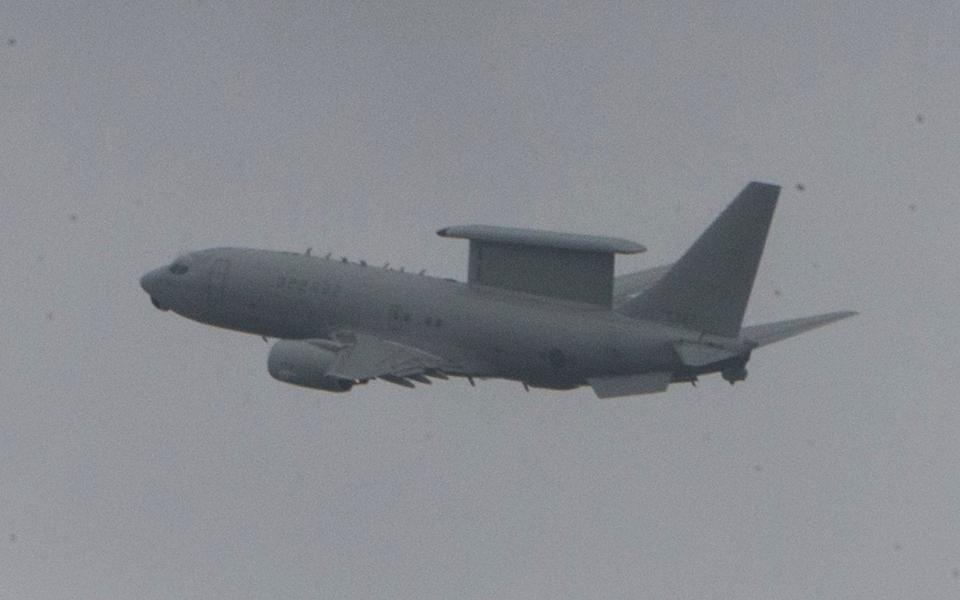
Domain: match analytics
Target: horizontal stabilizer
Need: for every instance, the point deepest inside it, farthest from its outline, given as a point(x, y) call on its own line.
point(628, 286)
point(630, 385)
point(768, 333)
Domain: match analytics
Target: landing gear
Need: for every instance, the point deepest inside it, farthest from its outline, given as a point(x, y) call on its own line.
point(685, 378)
point(734, 374)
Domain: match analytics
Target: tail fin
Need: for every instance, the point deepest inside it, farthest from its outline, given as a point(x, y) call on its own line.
point(707, 290)
point(768, 333)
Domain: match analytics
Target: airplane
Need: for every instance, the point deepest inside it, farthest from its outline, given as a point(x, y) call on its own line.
point(538, 307)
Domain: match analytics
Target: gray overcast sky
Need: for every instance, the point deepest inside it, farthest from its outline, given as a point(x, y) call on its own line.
point(145, 456)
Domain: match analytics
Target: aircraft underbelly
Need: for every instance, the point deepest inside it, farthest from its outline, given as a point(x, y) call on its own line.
point(537, 342)
point(535, 352)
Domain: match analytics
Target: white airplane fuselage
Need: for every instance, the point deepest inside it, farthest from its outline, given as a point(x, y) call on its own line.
point(542, 341)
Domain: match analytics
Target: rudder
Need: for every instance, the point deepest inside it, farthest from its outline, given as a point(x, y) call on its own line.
point(708, 288)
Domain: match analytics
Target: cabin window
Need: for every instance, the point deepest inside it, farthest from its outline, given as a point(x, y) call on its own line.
point(179, 268)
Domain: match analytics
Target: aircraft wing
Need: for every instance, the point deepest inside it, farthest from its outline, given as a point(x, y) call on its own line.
point(365, 357)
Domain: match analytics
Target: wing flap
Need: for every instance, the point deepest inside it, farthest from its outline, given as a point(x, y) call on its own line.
point(369, 357)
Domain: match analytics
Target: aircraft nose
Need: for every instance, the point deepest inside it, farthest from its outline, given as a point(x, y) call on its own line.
point(153, 283)
point(150, 282)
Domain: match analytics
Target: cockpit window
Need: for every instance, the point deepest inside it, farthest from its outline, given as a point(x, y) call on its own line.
point(179, 268)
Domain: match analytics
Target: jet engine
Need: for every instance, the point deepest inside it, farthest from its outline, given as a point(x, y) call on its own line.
point(304, 364)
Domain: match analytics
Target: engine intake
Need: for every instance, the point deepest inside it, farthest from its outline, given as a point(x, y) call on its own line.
point(306, 365)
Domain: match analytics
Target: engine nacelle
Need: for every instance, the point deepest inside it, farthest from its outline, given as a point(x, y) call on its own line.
point(305, 364)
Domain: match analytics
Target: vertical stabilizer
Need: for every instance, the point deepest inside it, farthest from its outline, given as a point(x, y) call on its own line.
point(708, 288)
